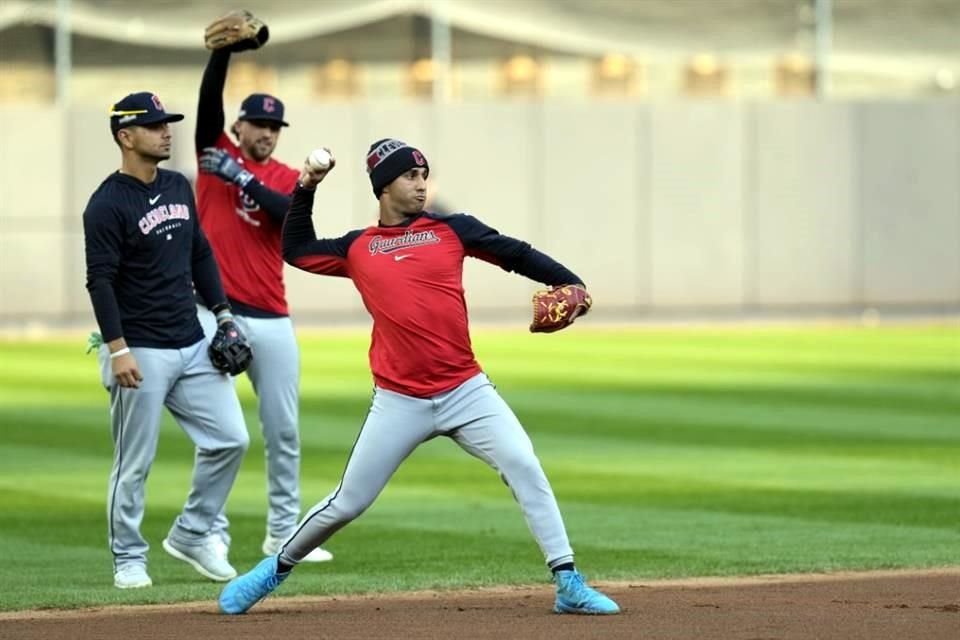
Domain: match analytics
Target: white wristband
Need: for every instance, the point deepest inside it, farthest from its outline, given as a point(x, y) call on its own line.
point(224, 314)
point(119, 352)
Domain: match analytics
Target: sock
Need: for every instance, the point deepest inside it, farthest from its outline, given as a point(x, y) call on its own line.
point(283, 567)
point(566, 566)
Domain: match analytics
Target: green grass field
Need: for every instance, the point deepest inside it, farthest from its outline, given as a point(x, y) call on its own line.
point(680, 452)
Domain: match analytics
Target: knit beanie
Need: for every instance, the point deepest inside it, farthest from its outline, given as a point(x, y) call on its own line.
point(388, 159)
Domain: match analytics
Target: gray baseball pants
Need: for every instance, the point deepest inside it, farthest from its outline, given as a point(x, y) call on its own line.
point(275, 376)
point(204, 404)
point(475, 417)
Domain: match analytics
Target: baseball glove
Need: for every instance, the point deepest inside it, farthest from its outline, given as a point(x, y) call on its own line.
point(238, 30)
point(229, 350)
point(557, 308)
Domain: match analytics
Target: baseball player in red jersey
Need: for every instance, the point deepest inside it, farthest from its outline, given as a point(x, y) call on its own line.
point(409, 272)
point(243, 194)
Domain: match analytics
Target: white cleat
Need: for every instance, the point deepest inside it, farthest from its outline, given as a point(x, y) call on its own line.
point(132, 576)
point(272, 546)
point(209, 558)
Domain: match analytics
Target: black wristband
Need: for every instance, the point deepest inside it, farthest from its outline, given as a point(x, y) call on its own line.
point(217, 308)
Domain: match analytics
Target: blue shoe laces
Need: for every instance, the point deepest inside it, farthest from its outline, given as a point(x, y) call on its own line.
point(577, 589)
point(574, 583)
point(256, 589)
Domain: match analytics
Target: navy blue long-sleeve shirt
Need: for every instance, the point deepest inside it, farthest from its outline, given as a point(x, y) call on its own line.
point(145, 251)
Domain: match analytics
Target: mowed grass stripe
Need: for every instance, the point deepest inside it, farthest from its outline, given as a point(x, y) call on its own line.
point(628, 410)
point(811, 432)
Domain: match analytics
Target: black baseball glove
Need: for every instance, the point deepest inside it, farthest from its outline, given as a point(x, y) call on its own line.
point(229, 350)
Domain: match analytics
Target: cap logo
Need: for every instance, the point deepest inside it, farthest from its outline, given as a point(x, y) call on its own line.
point(418, 158)
point(157, 103)
point(383, 151)
point(269, 105)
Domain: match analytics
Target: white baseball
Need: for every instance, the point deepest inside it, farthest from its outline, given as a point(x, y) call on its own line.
point(319, 159)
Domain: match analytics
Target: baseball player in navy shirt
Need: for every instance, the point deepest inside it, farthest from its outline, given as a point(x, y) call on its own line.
point(409, 272)
point(144, 253)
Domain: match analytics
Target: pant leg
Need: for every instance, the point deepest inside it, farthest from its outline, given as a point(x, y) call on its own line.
point(479, 420)
point(135, 423)
point(209, 323)
point(275, 375)
point(205, 404)
point(395, 425)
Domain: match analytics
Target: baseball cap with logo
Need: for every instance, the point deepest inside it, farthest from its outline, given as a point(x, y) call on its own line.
point(139, 109)
point(262, 106)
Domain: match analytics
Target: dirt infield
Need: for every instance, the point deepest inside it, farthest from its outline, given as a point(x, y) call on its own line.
point(850, 606)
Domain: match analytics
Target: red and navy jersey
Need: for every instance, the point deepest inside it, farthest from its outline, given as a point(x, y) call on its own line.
point(410, 278)
point(144, 253)
point(246, 240)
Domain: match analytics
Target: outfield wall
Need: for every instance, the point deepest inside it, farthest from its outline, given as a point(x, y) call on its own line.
point(659, 207)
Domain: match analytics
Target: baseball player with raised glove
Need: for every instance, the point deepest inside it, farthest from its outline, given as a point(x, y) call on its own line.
point(243, 193)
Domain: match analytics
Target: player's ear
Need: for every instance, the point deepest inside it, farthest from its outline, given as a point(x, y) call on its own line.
point(124, 139)
point(235, 129)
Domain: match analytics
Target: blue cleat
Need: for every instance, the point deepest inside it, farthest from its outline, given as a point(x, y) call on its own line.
point(576, 596)
point(247, 590)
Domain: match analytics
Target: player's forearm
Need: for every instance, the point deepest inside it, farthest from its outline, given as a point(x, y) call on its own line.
point(210, 117)
point(203, 266)
point(298, 225)
point(517, 256)
point(509, 253)
point(105, 308)
point(540, 267)
point(206, 279)
point(274, 203)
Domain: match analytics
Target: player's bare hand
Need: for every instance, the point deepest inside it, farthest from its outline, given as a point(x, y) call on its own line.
point(126, 371)
point(316, 167)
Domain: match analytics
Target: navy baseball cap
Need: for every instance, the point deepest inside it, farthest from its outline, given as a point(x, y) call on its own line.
point(262, 106)
point(138, 109)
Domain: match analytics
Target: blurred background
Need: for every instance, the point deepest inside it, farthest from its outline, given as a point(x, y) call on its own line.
point(688, 158)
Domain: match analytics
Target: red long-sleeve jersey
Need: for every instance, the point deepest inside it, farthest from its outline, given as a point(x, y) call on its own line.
point(410, 278)
point(245, 239)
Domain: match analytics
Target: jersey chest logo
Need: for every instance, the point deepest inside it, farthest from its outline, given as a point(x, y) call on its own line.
point(410, 239)
point(166, 216)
